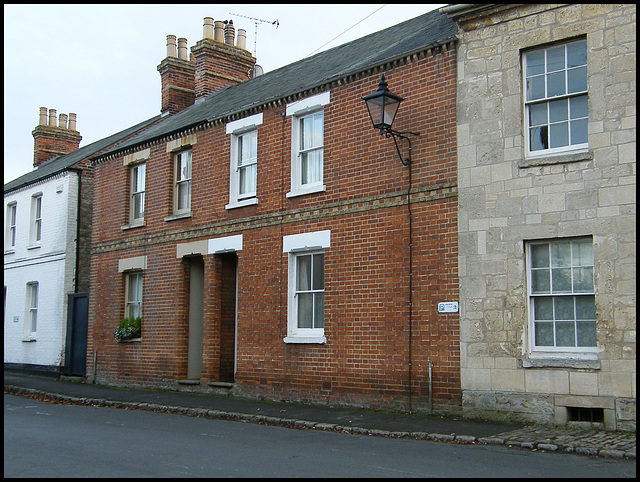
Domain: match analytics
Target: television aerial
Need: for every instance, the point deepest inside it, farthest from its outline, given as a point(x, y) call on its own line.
point(257, 21)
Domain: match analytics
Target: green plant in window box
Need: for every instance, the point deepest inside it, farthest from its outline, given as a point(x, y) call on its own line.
point(129, 328)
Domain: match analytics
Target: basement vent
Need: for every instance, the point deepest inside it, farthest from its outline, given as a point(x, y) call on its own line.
point(582, 414)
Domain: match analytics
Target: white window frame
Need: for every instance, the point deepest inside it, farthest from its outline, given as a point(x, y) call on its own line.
point(304, 244)
point(179, 181)
point(555, 351)
point(10, 235)
point(31, 314)
point(35, 232)
point(238, 129)
point(130, 267)
point(547, 100)
point(133, 304)
point(136, 192)
point(301, 110)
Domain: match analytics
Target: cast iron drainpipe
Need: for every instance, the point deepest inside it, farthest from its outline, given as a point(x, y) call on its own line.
point(409, 163)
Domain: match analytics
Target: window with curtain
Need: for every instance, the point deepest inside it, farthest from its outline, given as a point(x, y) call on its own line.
point(311, 148)
point(247, 164)
point(183, 182)
point(309, 292)
point(133, 308)
point(138, 179)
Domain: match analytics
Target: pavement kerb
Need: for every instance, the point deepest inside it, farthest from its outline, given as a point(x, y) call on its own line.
point(309, 425)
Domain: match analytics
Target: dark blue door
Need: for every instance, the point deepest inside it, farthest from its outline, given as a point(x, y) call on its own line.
point(77, 327)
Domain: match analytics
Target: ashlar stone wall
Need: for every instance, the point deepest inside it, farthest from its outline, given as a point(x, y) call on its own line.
point(506, 200)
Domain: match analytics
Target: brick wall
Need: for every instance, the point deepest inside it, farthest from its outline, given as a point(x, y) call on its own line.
point(370, 337)
point(83, 234)
point(178, 84)
point(218, 65)
point(50, 142)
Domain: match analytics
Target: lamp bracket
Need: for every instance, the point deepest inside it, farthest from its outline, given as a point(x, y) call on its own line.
point(388, 132)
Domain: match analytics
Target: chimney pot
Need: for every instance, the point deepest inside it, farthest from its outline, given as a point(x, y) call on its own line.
point(43, 116)
point(208, 28)
point(242, 39)
point(220, 63)
point(171, 46)
point(229, 33)
point(52, 118)
point(49, 143)
point(182, 49)
point(219, 31)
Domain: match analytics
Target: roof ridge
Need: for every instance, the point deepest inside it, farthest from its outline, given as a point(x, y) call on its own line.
point(303, 76)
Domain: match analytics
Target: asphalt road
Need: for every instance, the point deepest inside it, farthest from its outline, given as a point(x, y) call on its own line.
point(49, 440)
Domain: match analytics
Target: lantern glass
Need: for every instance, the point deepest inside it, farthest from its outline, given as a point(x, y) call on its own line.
point(382, 106)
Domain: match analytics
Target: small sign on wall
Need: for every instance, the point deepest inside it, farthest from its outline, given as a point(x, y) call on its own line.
point(448, 307)
point(16, 319)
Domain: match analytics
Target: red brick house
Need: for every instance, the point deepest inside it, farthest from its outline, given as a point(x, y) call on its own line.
point(272, 242)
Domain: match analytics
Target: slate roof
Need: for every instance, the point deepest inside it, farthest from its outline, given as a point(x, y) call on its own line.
point(411, 36)
point(61, 163)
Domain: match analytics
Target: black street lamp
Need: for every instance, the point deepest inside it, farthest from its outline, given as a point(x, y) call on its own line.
point(383, 107)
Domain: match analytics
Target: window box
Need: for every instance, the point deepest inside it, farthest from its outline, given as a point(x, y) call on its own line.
point(130, 329)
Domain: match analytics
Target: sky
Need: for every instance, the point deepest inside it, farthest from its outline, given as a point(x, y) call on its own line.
point(100, 61)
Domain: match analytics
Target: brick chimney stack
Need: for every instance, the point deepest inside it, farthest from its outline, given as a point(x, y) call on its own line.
point(215, 62)
point(54, 138)
point(177, 74)
point(220, 63)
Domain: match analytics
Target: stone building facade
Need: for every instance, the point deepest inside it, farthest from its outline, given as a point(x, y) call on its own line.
point(547, 211)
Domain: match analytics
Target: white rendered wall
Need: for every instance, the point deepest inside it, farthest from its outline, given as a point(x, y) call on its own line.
point(50, 263)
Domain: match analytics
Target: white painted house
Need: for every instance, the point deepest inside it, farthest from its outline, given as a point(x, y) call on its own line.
point(39, 267)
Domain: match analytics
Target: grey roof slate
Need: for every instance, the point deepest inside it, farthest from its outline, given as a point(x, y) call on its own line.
point(61, 163)
point(430, 29)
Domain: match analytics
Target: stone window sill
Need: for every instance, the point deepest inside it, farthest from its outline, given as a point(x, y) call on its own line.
point(242, 203)
point(582, 363)
point(140, 224)
point(175, 217)
point(303, 191)
point(318, 340)
point(556, 159)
